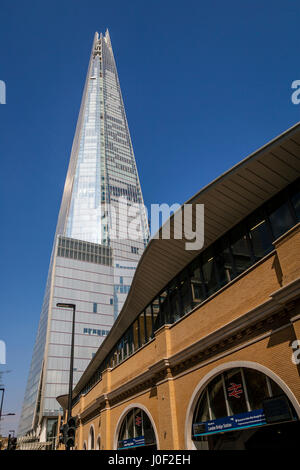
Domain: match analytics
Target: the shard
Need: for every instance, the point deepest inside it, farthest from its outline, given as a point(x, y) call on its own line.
point(94, 257)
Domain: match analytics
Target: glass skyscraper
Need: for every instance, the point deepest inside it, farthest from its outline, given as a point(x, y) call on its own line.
point(94, 254)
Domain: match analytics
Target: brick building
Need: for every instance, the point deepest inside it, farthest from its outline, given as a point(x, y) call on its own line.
point(204, 352)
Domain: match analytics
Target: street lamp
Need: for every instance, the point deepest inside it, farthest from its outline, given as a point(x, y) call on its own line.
point(73, 307)
point(1, 390)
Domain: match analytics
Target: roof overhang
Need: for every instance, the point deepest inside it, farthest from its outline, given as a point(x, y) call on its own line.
point(227, 200)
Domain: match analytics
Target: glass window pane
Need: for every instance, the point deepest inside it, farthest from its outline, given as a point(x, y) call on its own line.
point(235, 391)
point(142, 329)
point(174, 302)
point(148, 430)
point(240, 250)
point(296, 203)
point(148, 322)
point(185, 293)
point(136, 335)
point(164, 308)
point(209, 273)
point(224, 265)
point(130, 424)
point(198, 290)
point(257, 388)
point(280, 217)
point(156, 318)
point(138, 422)
point(217, 398)
point(260, 236)
point(202, 411)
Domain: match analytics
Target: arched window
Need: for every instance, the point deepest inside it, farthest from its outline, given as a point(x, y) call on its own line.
point(91, 441)
point(98, 444)
point(84, 445)
point(239, 399)
point(136, 430)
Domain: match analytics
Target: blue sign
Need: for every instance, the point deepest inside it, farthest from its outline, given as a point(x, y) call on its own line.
point(134, 442)
point(230, 423)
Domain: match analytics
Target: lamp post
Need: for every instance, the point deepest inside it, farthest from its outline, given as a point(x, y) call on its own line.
point(1, 390)
point(73, 307)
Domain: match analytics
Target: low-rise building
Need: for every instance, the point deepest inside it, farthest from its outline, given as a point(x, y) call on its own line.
point(205, 353)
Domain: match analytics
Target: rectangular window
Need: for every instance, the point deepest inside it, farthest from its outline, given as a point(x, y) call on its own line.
point(260, 236)
point(174, 301)
point(136, 334)
point(240, 248)
point(149, 325)
point(185, 293)
point(142, 329)
point(280, 217)
point(224, 263)
point(95, 308)
point(198, 288)
point(155, 310)
point(209, 273)
point(296, 203)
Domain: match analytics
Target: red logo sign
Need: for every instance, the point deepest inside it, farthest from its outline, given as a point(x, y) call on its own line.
point(138, 420)
point(235, 390)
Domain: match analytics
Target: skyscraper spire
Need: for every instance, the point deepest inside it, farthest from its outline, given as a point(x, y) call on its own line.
point(93, 258)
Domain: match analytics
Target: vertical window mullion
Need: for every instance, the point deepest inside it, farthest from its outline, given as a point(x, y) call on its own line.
point(139, 331)
point(145, 328)
point(250, 247)
point(269, 386)
point(225, 396)
point(245, 389)
point(292, 209)
point(269, 225)
point(203, 286)
point(170, 313)
point(152, 320)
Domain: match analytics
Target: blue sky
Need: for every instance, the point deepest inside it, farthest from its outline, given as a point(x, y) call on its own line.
point(204, 85)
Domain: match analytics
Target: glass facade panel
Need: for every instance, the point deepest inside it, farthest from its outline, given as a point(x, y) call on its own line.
point(202, 409)
point(197, 285)
point(185, 293)
point(235, 391)
point(136, 424)
point(240, 250)
point(156, 316)
point(280, 217)
point(209, 272)
point(136, 335)
point(148, 430)
point(174, 302)
point(257, 388)
point(260, 236)
point(149, 323)
point(216, 398)
point(142, 329)
point(296, 203)
point(224, 263)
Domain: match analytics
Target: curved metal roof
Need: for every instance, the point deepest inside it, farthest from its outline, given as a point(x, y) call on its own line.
point(227, 200)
